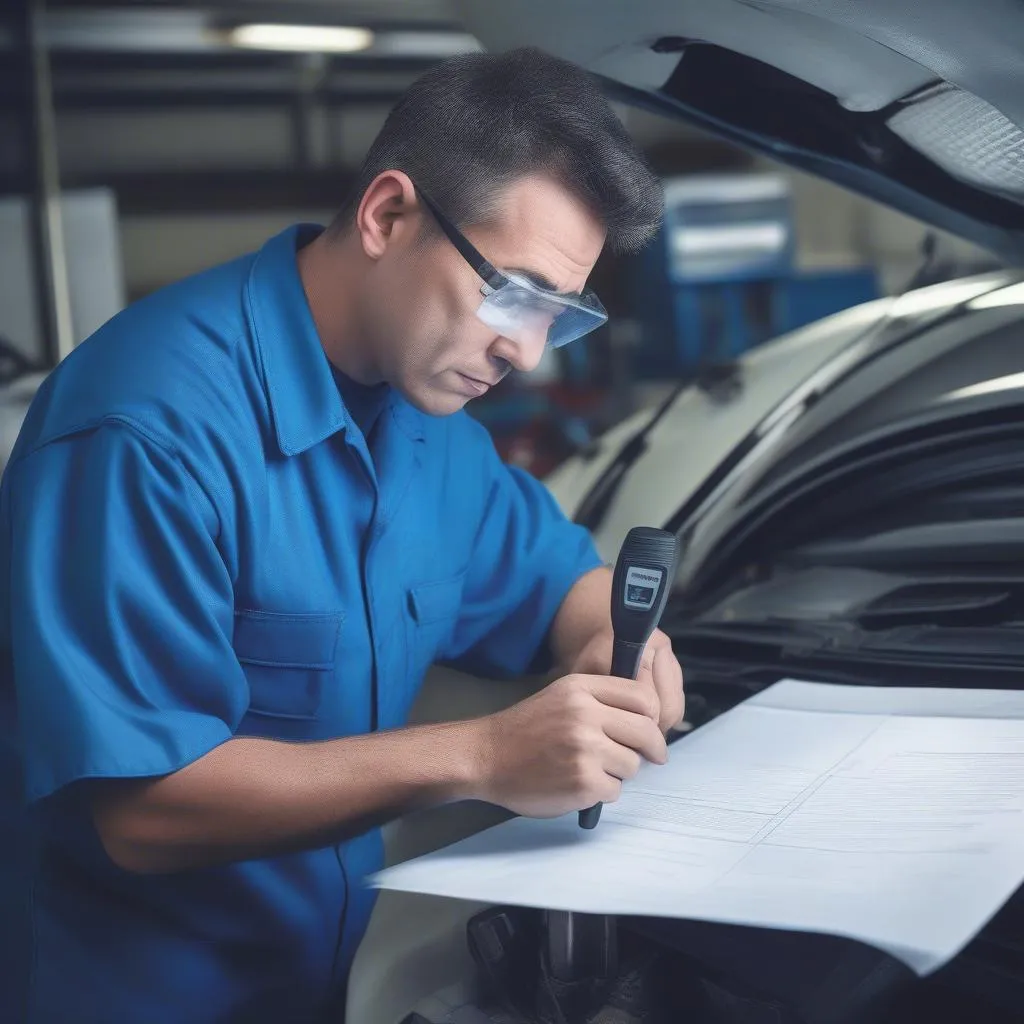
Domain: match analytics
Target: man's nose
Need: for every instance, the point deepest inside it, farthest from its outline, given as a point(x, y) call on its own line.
point(524, 352)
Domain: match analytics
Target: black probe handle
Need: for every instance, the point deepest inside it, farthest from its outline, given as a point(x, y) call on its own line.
point(626, 665)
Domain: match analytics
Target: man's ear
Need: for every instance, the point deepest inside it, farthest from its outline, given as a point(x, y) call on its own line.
point(387, 213)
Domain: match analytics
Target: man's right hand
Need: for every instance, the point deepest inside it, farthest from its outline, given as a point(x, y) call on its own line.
point(569, 746)
point(560, 750)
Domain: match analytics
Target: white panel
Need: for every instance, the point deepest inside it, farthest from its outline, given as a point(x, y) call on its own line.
point(93, 246)
point(95, 275)
point(19, 321)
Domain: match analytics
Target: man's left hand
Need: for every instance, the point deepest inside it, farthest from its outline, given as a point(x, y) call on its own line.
point(659, 668)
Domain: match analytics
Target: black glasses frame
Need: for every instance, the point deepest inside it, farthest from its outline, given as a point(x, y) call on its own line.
point(483, 268)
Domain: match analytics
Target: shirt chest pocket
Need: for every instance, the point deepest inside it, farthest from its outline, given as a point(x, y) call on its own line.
point(433, 610)
point(288, 659)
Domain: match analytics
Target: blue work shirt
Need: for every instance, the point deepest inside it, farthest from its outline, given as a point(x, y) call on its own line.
point(198, 543)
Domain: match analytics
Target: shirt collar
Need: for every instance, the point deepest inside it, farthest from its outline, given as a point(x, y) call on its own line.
point(304, 399)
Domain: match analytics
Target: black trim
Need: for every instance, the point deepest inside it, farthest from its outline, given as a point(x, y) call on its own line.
point(466, 249)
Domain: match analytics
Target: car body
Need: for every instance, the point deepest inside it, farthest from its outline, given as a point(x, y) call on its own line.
point(849, 507)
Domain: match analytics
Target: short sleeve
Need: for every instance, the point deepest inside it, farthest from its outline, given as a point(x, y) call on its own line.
point(526, 558)
point(121, 612)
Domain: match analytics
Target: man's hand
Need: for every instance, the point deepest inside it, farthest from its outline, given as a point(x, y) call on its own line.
point(582, 640)
point(659, 668)
point(569, 746)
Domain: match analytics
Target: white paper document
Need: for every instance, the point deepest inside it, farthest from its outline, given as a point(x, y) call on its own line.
point(891, 816)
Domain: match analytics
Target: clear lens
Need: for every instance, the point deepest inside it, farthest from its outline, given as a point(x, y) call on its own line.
point(523, 312)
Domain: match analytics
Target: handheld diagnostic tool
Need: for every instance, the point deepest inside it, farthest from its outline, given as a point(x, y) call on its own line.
point(643, 577)
point(582, 946)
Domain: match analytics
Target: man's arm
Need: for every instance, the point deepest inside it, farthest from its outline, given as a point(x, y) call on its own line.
point(584, 615)
point(129, 689)
point(567, 747)
point(250, 798)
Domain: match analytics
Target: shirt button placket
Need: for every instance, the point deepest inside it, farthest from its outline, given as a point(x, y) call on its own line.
point(378, 523)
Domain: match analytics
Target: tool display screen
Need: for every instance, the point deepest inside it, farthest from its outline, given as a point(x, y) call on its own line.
point(641, 587)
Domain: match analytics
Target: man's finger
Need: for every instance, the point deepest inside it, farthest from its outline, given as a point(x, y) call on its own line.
point(639, 696)
point(639, 733)
point(645, 678)
point(668, 681)
point(682, 693)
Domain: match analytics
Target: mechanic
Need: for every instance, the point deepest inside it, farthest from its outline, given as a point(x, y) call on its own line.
point(244, 518)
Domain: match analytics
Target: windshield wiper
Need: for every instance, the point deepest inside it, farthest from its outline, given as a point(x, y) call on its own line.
point(721, 381)
point(594, 506)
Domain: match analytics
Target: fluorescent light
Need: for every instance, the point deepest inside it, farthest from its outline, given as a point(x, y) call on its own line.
point(302, 38)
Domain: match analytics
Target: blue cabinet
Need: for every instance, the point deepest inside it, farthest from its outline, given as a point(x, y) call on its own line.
point(721, 277)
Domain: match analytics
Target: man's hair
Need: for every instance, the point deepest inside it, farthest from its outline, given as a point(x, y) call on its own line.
point(473, 125)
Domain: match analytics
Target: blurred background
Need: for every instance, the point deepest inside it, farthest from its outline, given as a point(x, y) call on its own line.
point(142, 142)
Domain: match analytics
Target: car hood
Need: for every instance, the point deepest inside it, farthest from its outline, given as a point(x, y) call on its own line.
point(915, 105)
point(764, 378)
point(701, 430)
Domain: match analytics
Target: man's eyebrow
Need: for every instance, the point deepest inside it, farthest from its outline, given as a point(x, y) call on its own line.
point(538, 279)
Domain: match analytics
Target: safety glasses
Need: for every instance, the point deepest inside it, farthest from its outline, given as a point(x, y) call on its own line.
point(517, 307)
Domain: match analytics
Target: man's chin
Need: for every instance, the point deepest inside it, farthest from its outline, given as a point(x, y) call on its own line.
point(435, 401)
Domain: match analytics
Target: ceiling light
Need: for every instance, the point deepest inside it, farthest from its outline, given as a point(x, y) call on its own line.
point(302, 38)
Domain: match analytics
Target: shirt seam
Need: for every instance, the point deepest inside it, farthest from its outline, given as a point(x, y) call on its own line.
point(147, 434)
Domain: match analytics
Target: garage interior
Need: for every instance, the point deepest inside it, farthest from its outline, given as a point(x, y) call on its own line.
point(143, 142)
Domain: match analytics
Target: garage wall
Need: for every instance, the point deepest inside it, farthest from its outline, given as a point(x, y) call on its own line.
point(836, 228)
point(158, 248)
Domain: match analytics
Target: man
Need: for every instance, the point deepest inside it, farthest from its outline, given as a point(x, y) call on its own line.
point(244, 518)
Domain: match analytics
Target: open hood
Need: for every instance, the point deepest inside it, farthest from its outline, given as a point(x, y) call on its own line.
point(915, 105)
